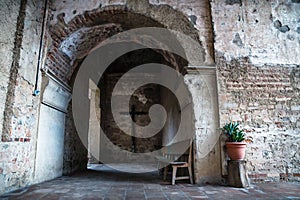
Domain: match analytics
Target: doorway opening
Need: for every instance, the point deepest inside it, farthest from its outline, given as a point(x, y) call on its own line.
point(130, 137)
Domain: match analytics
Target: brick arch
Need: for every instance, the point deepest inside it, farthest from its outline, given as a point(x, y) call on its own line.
point(93, 27)
point(71, 42)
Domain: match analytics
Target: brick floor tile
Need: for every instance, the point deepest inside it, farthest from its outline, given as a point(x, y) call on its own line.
point(113, 185)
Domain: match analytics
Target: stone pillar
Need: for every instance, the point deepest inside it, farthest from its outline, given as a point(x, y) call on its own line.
point(237, 174)
point(202, 84)
point(50, 141)
point(94, 124)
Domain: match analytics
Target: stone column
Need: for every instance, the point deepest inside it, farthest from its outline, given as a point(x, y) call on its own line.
point(94, 124)
point(51, 128)
point(201, 81)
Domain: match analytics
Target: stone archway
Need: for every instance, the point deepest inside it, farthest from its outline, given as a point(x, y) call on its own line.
point(68, 46)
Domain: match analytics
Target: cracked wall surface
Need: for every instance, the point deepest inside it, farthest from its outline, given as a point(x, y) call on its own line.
point(257, 56)
point(266, 32)
point(255, 46)
point(20, 46)
point(265, 100)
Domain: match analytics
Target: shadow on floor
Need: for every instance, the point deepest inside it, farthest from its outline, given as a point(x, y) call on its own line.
point(102, 182)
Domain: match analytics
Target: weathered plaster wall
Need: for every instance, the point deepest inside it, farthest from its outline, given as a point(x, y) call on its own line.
point(21, 28)
point(257, 54)
point(265, 100)
point(50, 140)
point(94, 124)
point(8, 20)
point(264, 31)
point(49, 159)
point(199, 14)
point(63, 22)
point(202, 85)
point(170, 103)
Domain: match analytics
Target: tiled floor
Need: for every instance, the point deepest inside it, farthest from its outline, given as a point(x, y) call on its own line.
point(110, 184)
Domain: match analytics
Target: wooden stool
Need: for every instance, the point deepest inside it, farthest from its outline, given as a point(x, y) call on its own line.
point(170, 154)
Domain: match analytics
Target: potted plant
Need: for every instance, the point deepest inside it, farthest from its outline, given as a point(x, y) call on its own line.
point(235, 144)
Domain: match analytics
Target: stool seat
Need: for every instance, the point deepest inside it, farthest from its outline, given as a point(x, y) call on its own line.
point(178, 163)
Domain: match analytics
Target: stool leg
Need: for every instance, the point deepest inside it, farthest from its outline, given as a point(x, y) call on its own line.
point(158, 168)
point(174, 174)
point(165, 172)
point(190, 174)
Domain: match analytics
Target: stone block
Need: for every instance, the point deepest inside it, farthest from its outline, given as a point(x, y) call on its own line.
point(237, 174)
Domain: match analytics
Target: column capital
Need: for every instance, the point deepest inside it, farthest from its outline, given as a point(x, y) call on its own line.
point(201, 70)
point(54, 93)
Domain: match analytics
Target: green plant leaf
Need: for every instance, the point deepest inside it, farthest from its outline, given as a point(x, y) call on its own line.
point(232, 130)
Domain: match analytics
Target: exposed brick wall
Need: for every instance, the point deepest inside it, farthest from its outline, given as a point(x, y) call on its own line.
point(75, 153)
point(21, 31)
point(61, 63)
point(64, 26)
point(142, 99)
point(132, 15)
point(265, 99)
point(257, 58)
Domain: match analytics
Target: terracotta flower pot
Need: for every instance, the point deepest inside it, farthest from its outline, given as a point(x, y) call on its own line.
point(236, 150)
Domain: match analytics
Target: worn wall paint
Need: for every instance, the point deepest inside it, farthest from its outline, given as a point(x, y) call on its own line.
point(262, 91)
point(265, 99)
point(9, 14)
point(21, 37)
point(50, 138)
point(207, 159)
point(266, 32)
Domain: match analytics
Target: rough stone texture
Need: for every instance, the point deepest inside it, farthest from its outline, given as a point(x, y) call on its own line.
point(142, 99)
point(64, 7)
point(265, 99)
point(256, 47)
point(8, 20)
point(21, 112)
point(76, 46)
point(237, 174)
point(75, 153)
point(207, 157)
point(201, 10)
point(13, 73)
point(137, 14)
point(253, 21)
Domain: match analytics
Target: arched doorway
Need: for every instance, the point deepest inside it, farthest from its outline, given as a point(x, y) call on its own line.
point(130, 137)
point(84, 36)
